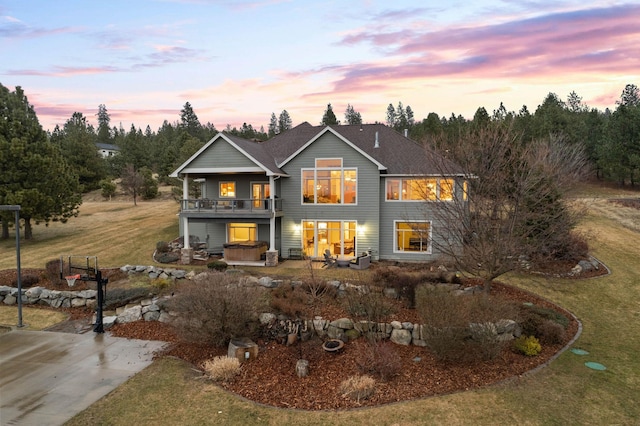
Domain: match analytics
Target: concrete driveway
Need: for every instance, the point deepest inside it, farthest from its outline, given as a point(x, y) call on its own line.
point(46, 378)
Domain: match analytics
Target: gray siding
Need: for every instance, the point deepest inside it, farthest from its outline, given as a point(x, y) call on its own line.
point(221, 154)
point(391, 211)
point(365, 212)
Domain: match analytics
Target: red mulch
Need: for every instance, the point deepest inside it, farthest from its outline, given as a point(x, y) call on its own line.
point(271, 379)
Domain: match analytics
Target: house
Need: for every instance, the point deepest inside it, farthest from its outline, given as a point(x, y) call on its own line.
point(107, 149)
point(349, 189)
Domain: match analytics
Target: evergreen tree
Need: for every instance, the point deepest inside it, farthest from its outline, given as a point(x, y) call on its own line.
point(630, 96)
point(329, 118)
point(274, 129)
point(391, 116)
point(351, 116)
point(189, 121)
point(284, 122)
point(76, 144)
point(34, 175)
point(104, 132)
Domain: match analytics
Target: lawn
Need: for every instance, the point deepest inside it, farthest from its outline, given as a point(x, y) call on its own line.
point(566, 392)
point(119, 233)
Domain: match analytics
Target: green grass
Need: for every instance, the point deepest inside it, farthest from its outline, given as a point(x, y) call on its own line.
point(564, 393)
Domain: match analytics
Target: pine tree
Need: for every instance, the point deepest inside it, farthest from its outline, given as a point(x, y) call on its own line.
point(329, 118)
point(274, 129)
point(284, 122)
point(34, 175)
point(351, 116)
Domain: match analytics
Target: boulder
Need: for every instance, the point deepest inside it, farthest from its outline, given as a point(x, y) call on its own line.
point(400, 336)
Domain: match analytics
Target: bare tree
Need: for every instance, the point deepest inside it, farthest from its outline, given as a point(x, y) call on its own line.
point(132, 182)
point(511, 204)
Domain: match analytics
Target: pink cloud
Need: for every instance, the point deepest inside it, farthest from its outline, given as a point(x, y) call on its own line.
point(585, 41)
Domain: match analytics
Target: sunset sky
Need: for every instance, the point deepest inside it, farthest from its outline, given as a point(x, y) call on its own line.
point(240, 61)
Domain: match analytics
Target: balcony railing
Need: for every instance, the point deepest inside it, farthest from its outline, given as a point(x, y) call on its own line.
point(262, 205)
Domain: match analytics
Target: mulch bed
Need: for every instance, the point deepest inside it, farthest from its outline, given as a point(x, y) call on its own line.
point(271, 378)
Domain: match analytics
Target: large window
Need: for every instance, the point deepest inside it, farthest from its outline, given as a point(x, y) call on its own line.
point(339, 237)
point(329, 183)
point(430, 189)
point(412, 236)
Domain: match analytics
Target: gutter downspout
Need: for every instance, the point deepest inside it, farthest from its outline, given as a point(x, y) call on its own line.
point(272, 219)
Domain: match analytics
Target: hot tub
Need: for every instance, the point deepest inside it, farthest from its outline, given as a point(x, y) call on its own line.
point(246, 250)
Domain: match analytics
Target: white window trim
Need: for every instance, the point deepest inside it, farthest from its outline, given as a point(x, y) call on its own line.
point(235, 189)
point(401, 200)
point(395, 237)
point(315, 179)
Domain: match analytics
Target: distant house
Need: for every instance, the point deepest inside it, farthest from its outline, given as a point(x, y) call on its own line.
point(348, 189)
point(107, 149)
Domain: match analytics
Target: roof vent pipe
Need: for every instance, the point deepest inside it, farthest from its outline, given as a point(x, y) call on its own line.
point(406, 133)
point(377, 144)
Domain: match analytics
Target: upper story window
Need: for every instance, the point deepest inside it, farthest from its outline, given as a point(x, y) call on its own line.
point(227, 189)
point(329, 183)
point(420, 189)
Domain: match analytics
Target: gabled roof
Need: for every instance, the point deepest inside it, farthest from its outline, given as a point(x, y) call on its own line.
point(393, 153)
point(252, 150)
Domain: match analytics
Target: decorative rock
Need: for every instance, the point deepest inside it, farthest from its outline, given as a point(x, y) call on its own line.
point(267, 282)
point(108, 321)
point(352, 334)
point(87, 294)
point(302, 368)
point(267, 318)
point(396, 325)
point(343, 323)
point(10, 299)
point(390, 292)
point(151, 316)
point(401, 337)
point(131, 314)
point(34, 292)
point(78, 302)
point(407, 326)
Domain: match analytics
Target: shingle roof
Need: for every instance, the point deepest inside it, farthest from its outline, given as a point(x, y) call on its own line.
point(398, 154)
point(394, 153)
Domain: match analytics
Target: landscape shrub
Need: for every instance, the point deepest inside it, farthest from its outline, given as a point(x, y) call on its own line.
point(367, 303)
point(527, 345)
point(551, 333)
point(460, 328)
point(215, 309)
point(26, 280)
point(162, 247)
point(288, 300)
point(380, 359)
point(222, 368)
point(217, 265)
point(533, 318)
point(405, 282)
point(358, 387)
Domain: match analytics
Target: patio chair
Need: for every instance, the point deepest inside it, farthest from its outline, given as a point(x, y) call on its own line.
point(329, 261)
point(361, 262)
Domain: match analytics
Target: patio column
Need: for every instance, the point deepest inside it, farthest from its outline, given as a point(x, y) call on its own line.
point(272, 253)
point(272, 220)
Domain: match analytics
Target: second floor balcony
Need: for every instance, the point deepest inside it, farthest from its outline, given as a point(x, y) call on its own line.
point(261, 207)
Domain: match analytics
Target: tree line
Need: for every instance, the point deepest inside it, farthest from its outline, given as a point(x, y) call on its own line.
point(46, 172)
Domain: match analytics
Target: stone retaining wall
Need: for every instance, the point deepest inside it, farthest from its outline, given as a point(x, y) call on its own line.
point(155, 309)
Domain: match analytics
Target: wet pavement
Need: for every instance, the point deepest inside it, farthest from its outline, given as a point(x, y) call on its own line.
point(46, 377)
